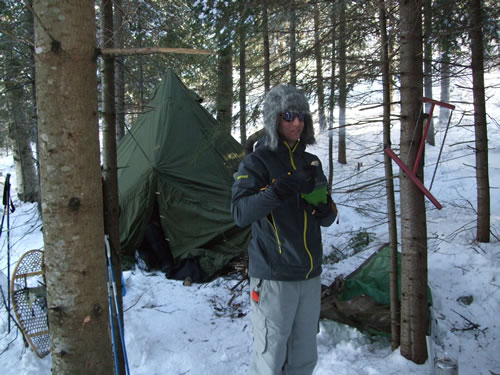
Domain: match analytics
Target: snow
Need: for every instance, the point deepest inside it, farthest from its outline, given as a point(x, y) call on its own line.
point(205, 329)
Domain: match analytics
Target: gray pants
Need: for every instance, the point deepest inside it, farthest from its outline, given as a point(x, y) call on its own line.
point(285, 324)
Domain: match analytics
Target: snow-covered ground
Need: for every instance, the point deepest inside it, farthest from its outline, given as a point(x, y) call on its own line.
point(205, 329)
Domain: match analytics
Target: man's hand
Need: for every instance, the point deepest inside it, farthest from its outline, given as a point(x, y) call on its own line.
point(300, 181)
point(324, 209)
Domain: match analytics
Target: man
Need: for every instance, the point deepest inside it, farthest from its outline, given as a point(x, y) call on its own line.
point(280, 190)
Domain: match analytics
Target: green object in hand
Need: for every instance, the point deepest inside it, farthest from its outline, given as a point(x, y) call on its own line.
point(317, 196)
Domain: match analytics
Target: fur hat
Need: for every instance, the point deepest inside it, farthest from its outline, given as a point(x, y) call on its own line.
point(280, 99)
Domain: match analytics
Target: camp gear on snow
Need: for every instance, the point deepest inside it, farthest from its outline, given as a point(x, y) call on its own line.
point(115, 311)
point(29, 300)
point(283, 305)
point(177, 156)
point(362, 299)
point(445, 366)
point(8, 208)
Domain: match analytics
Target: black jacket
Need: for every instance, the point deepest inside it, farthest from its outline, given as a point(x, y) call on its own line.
point(286, 236)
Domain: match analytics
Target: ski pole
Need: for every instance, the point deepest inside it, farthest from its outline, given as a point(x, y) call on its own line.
point(117, 307)
point(113, 334)
point(8, 207)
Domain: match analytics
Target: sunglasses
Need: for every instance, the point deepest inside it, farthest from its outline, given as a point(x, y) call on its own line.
point(290, 116)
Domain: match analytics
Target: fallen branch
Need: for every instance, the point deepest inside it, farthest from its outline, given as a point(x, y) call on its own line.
point(471, 326)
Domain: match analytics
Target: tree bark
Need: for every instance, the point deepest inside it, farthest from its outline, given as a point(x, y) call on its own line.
point(21, 127)
point(65, 40)
point(428, 66)
point(342, 158)
point(20, 130)
point(413, 217)
point(480, 125)
point(225, 88)
point(267, 57)
point(243, 92)
point(333, 19)
point(293, 46)
point(140, 59)
point(389, 178)
point(110, 163)
point(119, 71)
point(444, 113)
point(319, 70)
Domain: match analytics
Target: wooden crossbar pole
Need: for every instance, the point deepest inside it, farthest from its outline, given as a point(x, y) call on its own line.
point(152, 50)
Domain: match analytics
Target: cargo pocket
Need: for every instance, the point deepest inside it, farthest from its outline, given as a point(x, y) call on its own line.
point(260, 334)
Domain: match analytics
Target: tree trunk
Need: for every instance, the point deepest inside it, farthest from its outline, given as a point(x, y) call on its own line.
point(267, 56)
point(333, 18)
point(393, 25)
point(119, 72)
point(225, 88)
point(33, 114)
point(413, 220)
point(243, 90)
point(319, 70)
point(140, 60)
point(444, 113)
point(482, 175)
point(293, 46)
point(20, 129)
point(65, 39)
point(110, 164)
point(428, 66)
point(389, 179)
point(342, 85)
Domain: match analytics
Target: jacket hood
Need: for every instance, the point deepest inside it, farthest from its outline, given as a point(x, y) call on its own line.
point(280, 99)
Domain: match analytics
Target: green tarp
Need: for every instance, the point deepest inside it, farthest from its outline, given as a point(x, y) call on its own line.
point(362, 299)
point(177, 154)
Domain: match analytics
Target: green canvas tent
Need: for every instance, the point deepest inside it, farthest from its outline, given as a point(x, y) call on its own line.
point(177, 155)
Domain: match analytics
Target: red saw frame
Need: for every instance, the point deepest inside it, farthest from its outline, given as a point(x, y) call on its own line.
point(412, 174)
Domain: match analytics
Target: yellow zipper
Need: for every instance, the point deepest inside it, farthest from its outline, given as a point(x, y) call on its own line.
point(290, 153)
point(305, 245)
point(276, 233)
